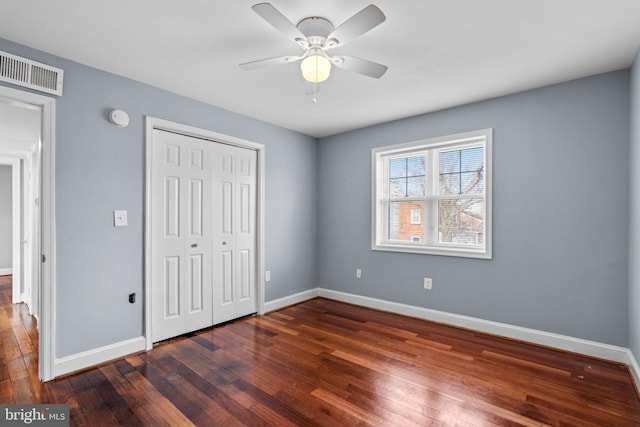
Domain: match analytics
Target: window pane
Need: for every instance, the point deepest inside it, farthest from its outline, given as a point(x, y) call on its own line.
point(472, 182)
point(472, 159)
point(398, 168)
point(450, 183)
point(415, 186)
point(461, 221)
point(401, 226)
point(398, 187)
point(407, 176)
point(462, 171)
point(415, 166)
point(450, 162)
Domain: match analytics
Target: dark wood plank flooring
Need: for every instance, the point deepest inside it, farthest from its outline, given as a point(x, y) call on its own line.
point(324, 363)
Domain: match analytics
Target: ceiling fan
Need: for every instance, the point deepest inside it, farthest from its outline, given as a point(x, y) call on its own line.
point(316, 35)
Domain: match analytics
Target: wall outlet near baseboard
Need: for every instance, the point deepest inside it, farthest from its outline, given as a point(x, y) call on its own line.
point(428, 283)
point(358, 273)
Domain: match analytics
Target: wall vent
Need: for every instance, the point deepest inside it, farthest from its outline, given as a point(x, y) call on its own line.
point(27, 73)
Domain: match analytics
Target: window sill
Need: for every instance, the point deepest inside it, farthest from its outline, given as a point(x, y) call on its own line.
point(434, 250)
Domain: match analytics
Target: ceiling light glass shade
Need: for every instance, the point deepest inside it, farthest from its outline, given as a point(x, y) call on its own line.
point(315, 68)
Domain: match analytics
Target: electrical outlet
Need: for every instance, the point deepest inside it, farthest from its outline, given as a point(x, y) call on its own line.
point(358, 273)
point(428, 283)
point(267, 276)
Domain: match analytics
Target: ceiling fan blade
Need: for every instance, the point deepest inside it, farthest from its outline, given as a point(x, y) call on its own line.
point(361, 66)
point(363, 21)
point(278, 21)
point(261, 63)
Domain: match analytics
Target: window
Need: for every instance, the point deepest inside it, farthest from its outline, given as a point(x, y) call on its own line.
point(415, 216)
point(434, 196)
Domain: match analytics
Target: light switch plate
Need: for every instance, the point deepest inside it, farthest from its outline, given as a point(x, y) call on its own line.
point(120, 218)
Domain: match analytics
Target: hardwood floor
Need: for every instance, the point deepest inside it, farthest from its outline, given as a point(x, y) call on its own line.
point(324, 363)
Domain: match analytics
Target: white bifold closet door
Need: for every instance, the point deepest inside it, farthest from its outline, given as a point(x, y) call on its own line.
point(203, 233)
point(234, 247)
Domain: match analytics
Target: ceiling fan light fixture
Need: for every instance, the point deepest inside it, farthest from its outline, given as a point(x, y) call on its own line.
point(315, 35)
point(315, 68)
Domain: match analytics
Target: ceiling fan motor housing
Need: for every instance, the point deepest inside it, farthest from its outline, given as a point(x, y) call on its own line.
point(316, 29)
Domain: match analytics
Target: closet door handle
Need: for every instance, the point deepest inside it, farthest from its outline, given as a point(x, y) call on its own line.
point(194, 245)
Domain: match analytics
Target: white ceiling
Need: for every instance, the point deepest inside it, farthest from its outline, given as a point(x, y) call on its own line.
point(440, 53)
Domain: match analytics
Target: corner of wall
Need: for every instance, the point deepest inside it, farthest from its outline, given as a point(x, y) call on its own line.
point(634, 370)
point(634, 214)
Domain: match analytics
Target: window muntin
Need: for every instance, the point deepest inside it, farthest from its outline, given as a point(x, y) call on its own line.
point(434, 196)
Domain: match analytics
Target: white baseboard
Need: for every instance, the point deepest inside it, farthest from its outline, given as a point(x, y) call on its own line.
point(279, 303)
point(94, 357)
point(635, 370)
point(562, 342)
point(6, 271)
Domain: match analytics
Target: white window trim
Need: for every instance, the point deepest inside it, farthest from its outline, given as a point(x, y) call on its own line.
point(378, 182)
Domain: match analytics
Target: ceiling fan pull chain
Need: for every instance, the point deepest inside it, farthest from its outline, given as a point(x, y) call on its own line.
point(315, 101)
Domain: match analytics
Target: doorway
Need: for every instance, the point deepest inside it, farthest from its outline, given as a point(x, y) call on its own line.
point(27, 129)
point(20, 135)
point(203, 229)
point(13, 222)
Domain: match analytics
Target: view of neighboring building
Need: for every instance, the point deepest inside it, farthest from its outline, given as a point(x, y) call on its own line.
point(460, 195)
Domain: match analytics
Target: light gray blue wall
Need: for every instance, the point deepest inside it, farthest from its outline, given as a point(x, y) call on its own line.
point(6, 217)
point(100, 167)
point(560, 219)
point(634, 233)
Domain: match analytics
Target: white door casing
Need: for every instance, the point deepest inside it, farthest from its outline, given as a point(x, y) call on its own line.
point(233, 159)
point(43, 235)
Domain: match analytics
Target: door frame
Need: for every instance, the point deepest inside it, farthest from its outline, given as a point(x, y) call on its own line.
point(46, 285)
point(152, 123)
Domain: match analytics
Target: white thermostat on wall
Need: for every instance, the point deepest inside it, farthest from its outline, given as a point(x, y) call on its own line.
point(119, 118)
